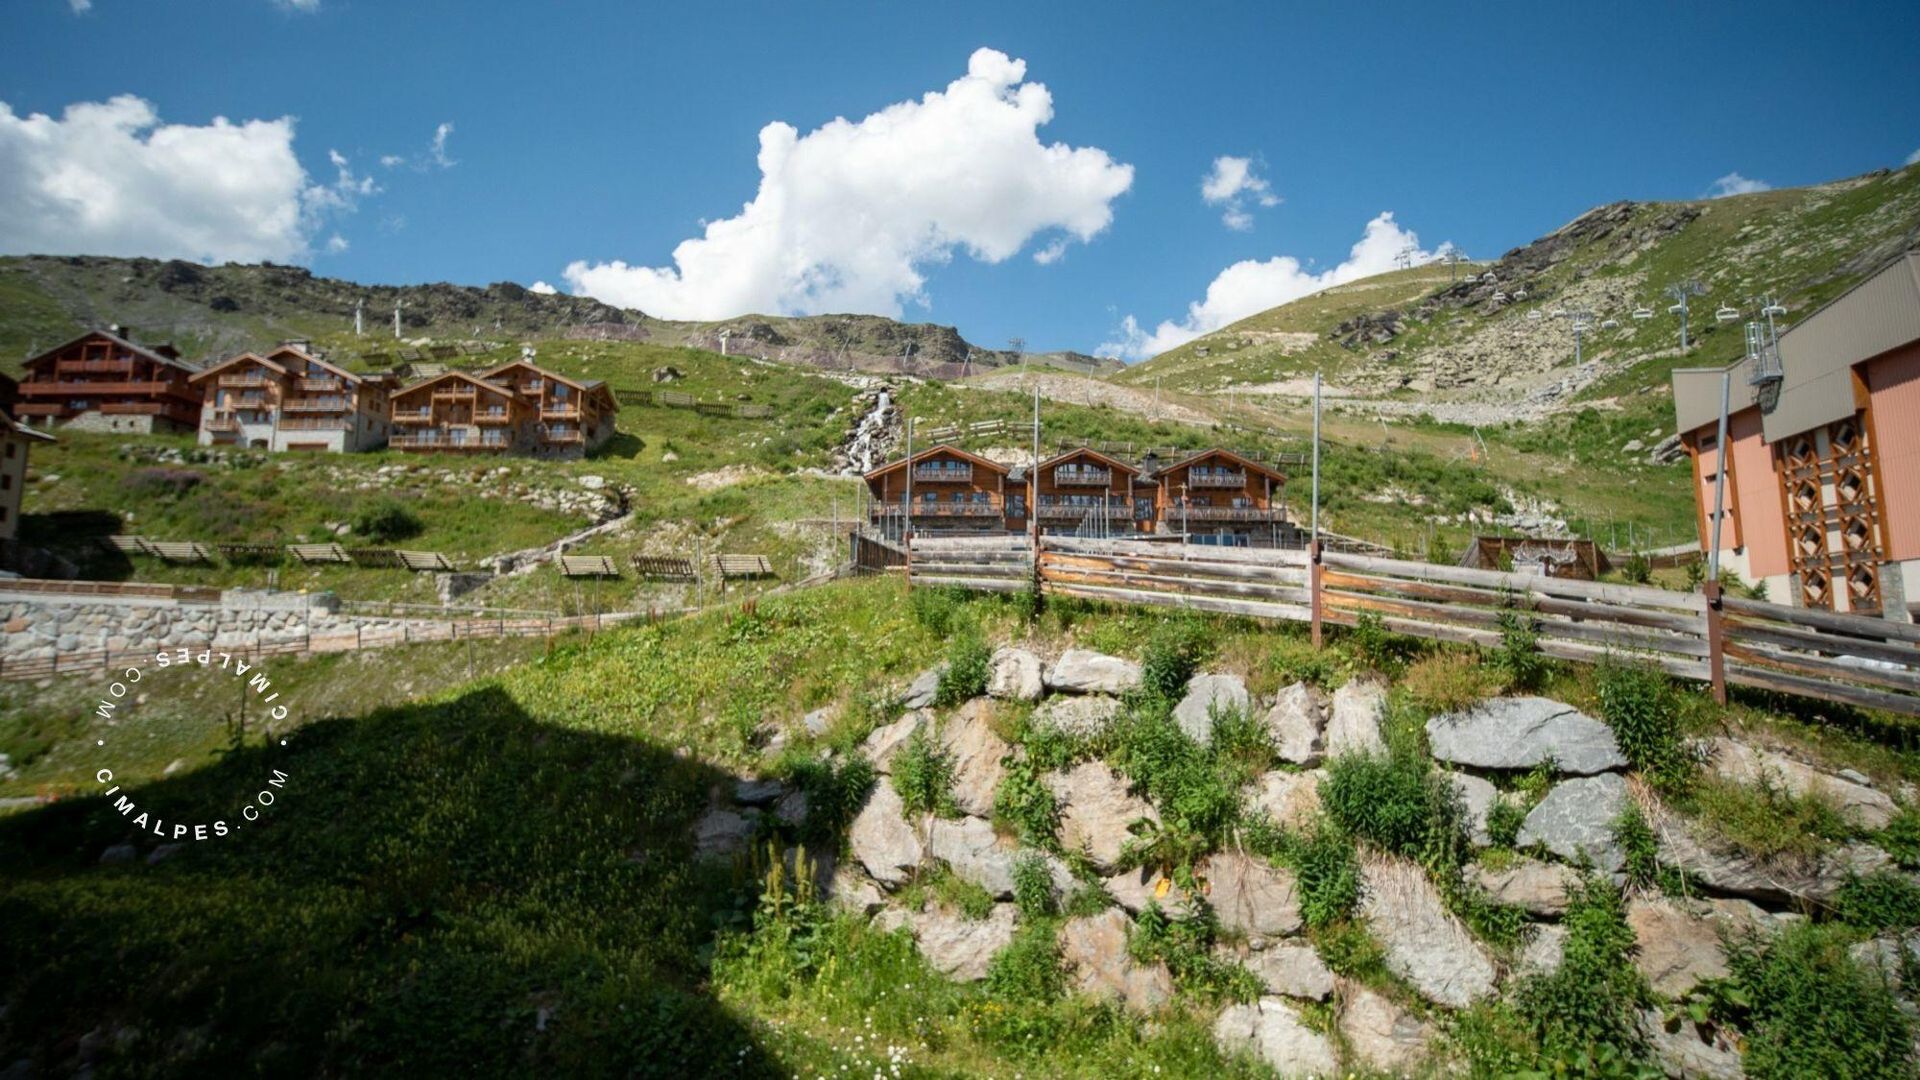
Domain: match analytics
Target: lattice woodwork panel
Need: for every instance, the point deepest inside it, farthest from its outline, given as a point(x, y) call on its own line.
point(1833, 515)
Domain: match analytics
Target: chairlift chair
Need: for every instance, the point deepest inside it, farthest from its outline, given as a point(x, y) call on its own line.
point(1609, 324)
point(1725, 313)
point(1499, 298)
point(1559, 313)
point(1642, 314)
point(1519, 294)
point(1534, 315)
point(1677, 309)
point(1774, 308)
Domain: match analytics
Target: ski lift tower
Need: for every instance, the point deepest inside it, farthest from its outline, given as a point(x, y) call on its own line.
point(1453, 257)
point(1582, 320)
point(359, 314)
point(1683, 291)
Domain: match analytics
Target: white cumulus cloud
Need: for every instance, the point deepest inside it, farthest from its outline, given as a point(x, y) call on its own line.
point(1232, 184)
point(1735, 184)
point(80, 7)
point(542, 288)
point(1914, 158)
point(1249, 287)
point(848, 216)
point(107, 178)
point(437, 150)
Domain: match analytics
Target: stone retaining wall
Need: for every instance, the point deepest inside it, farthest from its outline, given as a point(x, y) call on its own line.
point(43, 626)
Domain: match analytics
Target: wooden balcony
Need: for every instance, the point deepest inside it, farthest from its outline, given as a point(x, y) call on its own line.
point(454, 440)
point(248, 401)
point(559, 412)
point(563, 435)
point(492, 417)
point(315, 423)
point(937, 474)
point(1176, 514)
point(421, 416)
point(951, 509)
point(1082, 477)
point(455, 393)
point(1216, 480)
point(331, 384)
point(222, 423)
point(250, 379)
point(318, 405)
point(64, 388)
point(39, 408)
point(92, 367)
point(1118, 510)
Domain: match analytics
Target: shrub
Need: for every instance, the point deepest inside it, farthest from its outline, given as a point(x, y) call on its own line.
point(1504, 819)
point(1372, 644)
point(938, 609)
point(1174, 652)
point(1637, 702)
point(969, 662)
point(1638, 844)
point(1028, 969)
point(385, 520)
point(1327, 866)
point(1518, 657)
point(1638, 569)
point(923, 776)
point(1809, 1011)
point(1032, 885)
point(1185, 945)
point(1396, 802)
point(834, 795)
point(1901, 838)
point(1193, 796)
point(1882, 900)
point(1767, 821)
point(1448, 682)
point(1584, 1015)
point(1025, 802)
point(160, 481)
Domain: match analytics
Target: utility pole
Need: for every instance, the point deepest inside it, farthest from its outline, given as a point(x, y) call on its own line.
point(359, 310)
point(1682, 292)
point(1019, 347)
point(396, 320)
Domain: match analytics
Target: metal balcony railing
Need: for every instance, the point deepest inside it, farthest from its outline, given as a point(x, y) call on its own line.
point(1216, 479)
point(949, 474)
point(1082, 476)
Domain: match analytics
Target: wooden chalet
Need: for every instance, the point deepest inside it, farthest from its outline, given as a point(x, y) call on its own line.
point(15, 440)
point(945, 490)
point(1219, 497)
point(290, 399)
point(101, 381)
point(460, 413)
point(1084, 492)
point(571, 416)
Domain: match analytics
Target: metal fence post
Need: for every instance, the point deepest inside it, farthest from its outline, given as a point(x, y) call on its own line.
point(1313, 587)
point(1716, 642)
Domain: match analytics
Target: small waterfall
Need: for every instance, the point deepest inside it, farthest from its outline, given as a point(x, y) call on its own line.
point(867, 446)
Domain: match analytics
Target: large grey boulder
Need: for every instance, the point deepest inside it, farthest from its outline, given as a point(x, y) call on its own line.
point(1080, 715)
point(1095, 810)
point(850, 890)
point(1354, 722)
point(1208, 696)
point(1270, 1030)
point(977, 755)
point(1297, 724)
point(1083, 671)
point(1094, 951)
point(922, 690)
point(1522, 732)
point(1477, 796)
point(1538, 888)
point(958, 947)
point(1290, 799)
point(1741, 763)
point(721, 832)
point(1015, 675)
point(1382, 1035)
point(975, 853)
point(1135, 889)
point(881, 839)
point(1689, 847)
point(1680, 941)
point(1545, 947)
point(1424, 943)
point(1578, 816)
point(1291, 971)
point(885, 741)
point(1253, 896)
point(1684, 1053)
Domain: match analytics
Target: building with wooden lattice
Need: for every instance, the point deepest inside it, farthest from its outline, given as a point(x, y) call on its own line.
point(1822, 463)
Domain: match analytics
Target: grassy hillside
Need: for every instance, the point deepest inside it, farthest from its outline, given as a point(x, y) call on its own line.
point(498, 879)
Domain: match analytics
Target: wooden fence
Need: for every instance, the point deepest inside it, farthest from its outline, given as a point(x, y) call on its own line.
point(1851, 659)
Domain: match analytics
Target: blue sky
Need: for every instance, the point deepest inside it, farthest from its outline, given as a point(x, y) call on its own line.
point(596, 133)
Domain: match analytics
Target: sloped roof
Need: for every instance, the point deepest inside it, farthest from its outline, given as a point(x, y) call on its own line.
point(941, 448)
point(9, 424)
point(143, 350)
point(494, 388)
point(1244, 462)
point(245, 357)
point(1088, 451)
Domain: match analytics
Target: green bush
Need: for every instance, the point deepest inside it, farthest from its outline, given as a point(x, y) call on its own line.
point(1185, 945)
point(938, 609)
point(1327, 866)
point(1882, 900)
point(1810, 1011)
point(1025, 802)
point(1638, 844)
point(1174, 651)
point(1396, 802)
point(1638, 569)
point(385, 520)
point(1638, 703)
point(834, 795)
point(1032, 885)
point(1193, 795)
point(923, 775)
point(1901, 838)
point(1372, 645)
point(969, 662)
point(1504, 819)
point(1584, 1016)
point(1028, 969)
point(1518, 657)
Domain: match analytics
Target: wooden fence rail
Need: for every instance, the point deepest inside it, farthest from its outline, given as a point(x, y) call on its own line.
point(1851, 659)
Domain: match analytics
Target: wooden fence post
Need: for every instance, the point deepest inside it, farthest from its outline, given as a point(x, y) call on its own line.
point(1716, 642)
point(1313, 587)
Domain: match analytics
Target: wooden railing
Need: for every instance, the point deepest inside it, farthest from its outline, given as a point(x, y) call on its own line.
point(1851, 659)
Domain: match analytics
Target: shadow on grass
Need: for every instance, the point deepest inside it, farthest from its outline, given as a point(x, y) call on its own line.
point(79, 537)
point(450, 888)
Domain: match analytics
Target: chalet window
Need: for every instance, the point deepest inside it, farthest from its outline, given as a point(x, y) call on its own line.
point(1016, 506)
point(1142, 509)
point(6, 479)
point(11, 447)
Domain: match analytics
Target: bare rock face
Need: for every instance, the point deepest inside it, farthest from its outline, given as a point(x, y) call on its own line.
point(1683, 1052)
point(722, 832)
point(849, 890)
point(1015, 675)
point(958, 947)
point(1290, 799)
point(1272, 1031)
point(1135, 889)
point(1546, 946)
point(1741, 763)
point(1252, 895)
point(1477, 796)
point(1297, 724)
point(1382, 1035)
point(882, 840)
point(1577, 817)
point(1686, 846)
point(1208, 696)
point(1680, 942)
point(1354, 722)
point(886, 741)
point(975, 853)
point(1095, 810)
point(1083, 671)
point(977, 753)
point(1291, 971)
point(1079, 715)
point(921, 691)
point(1094, 949)
point(1537, 887)
point(1522, 732)
point(1425, 944)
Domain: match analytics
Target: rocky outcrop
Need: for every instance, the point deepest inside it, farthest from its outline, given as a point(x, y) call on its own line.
point(1538, 888)
point(1253, 896)
point(924, 687)
point(1741, 763)
point(885, 741)
point(1015, 675)
point(1354, 722)
point(1684, 1052)
point(1680, 941)
point(882, 840)
point(1296, 724)
point(958, 947)
point(1291, 971)
point(1135, 889)
point(1476, 796)
point(722, 832)
point(1095, 810)
point(976, 753)
point(1522, 732)
point(1381, 1034)
point(1424, 943)
point(1290, 799)
point(1209, 696)
point(1576, 821)
point(1094, 951)
point(1079, 715)
point(1082, 671)
point(1270, 1030)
